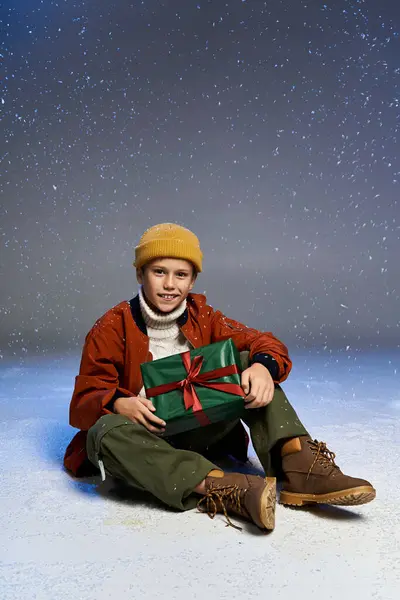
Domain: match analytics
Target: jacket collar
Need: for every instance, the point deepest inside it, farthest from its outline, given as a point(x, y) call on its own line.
point(138, 317)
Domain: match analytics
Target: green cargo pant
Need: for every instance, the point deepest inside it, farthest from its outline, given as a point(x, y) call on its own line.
point(171, 469)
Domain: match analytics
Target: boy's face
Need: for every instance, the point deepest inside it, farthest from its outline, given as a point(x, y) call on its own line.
point(166, 282)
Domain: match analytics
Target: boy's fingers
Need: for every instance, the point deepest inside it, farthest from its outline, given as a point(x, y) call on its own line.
point(245, 382)
point(255, 399)
point(252, 395)
point(264, 396)
point(142, 420)
point(270, 395)
point(249, 400)
point(254, 404)
point(154, 429)
point(154, 419)
point(265, 399)
point(150, 427)
point(147, 403)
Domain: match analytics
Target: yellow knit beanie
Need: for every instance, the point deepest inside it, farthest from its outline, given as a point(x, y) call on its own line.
point(168, 240)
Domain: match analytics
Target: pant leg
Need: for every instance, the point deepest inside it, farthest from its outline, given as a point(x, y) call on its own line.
point(270, 424)
point(145, 461)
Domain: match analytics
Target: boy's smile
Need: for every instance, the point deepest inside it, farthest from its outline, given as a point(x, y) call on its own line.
point(168, 297)
point(166, 282)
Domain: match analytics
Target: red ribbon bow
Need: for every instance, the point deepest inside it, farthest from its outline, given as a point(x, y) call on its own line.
point(190, 397)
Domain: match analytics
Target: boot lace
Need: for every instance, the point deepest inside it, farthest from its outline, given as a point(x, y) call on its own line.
point(323, 455)
point(220, 497)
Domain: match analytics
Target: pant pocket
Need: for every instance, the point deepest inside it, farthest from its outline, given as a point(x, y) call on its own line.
point(102, 427)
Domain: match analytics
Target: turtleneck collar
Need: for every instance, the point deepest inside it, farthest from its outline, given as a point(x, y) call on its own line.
point(155, 320)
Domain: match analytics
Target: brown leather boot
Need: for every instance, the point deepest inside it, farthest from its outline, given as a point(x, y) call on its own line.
point(312, 476)
point(248, 496)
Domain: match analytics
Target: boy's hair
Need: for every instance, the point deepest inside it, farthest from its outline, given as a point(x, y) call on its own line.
point(169, 240)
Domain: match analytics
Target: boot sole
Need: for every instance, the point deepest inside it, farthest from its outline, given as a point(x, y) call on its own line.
point(351, 497)
point(268, 502)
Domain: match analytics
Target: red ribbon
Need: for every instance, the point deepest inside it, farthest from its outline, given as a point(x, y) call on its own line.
point(187, 385)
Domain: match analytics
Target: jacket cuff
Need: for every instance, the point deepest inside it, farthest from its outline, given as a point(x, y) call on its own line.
point(268, 362)
point(110, 405)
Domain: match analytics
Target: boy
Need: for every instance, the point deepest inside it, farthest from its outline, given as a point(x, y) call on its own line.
point(121, 435)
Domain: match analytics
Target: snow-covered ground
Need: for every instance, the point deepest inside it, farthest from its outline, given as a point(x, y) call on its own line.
point(63, 538)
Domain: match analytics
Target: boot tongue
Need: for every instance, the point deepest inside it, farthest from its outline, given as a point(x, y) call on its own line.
point(291, 447)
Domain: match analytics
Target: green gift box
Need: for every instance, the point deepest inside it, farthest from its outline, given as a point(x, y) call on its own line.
point(195, 388)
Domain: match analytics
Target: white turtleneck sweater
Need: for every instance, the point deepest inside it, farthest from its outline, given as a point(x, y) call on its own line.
point(165, 337)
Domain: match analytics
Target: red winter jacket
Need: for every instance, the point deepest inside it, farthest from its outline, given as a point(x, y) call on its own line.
point(118, 343)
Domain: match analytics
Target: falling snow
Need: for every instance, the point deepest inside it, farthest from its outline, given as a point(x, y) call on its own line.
point(271, 129)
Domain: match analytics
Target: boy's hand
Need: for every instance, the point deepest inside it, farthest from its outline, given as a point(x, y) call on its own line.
point(258, 386)
point(140, 411)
